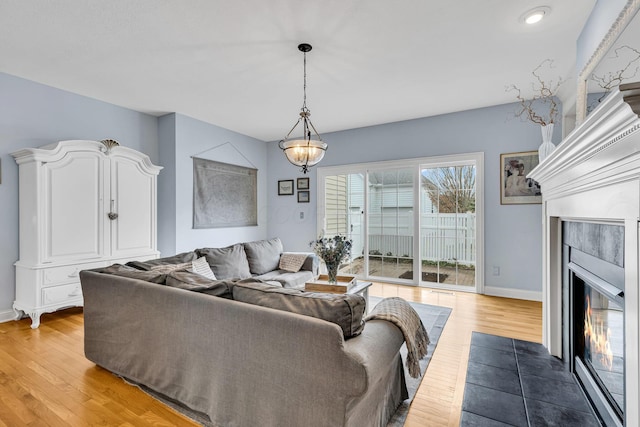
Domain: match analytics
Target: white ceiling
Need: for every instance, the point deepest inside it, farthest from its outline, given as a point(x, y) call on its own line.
point(236, 64)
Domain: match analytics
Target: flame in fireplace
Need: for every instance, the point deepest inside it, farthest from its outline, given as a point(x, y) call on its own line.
point(596, 339)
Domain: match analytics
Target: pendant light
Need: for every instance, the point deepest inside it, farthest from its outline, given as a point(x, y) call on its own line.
point(304, 152)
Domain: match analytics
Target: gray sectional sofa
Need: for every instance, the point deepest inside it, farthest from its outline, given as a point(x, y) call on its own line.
point(246, 351)
point(257, 260)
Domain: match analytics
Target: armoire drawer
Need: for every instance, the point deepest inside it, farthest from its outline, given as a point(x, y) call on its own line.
point(67, 273)
point(58, 294)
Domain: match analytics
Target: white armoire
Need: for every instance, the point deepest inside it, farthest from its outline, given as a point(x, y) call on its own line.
point(83, 205)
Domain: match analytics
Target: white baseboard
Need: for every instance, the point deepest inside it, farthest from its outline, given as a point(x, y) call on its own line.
point(7, 315)
point(513, 293)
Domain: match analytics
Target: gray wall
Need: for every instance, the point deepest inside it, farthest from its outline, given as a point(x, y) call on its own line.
point(32, 115)
point(167, 185)
point(512, 233)
point(180, 138)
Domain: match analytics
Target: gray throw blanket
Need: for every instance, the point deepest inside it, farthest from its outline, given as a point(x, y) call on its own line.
point(400, 313)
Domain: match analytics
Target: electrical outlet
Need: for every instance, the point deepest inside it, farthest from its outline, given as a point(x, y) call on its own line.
point(496, 270)
point(301, 215)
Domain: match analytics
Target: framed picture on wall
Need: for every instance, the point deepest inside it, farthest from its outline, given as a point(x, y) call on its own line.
point(303, 183)
point(515, 187)
point(303, 196)
point(285, 187)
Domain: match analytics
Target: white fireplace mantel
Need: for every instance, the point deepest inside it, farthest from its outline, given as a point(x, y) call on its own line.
point(594, 175)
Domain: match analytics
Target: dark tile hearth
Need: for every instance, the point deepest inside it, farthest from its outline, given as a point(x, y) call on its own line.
point(495, 378)
point(517, 383)
point(496, 358)
point(482, 400)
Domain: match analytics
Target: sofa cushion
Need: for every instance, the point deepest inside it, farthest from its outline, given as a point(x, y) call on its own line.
point(263, 255)
point(292, 262)
point(197, 283)
point(125, 271)
point(175, 259)
point(345, 310)
point(227, 263)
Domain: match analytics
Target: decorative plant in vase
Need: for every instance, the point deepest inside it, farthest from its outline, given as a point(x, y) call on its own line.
point(333, 251)
point(542, 108)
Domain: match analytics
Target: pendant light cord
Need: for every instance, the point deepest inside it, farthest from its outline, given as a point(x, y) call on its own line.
point(304, 85)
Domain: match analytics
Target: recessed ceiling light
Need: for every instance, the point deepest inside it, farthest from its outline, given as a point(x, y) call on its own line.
point(535, 15)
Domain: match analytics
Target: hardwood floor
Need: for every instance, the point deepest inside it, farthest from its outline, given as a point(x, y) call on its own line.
point(438, 401)
point(45, 379)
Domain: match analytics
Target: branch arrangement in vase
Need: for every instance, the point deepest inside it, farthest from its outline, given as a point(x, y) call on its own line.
point(544, 98)
point(546, 108)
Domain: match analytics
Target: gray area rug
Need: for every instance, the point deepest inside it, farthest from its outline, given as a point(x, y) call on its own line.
point(433, 317)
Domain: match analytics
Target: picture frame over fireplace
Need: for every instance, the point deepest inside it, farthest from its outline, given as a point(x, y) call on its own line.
point(515, 187)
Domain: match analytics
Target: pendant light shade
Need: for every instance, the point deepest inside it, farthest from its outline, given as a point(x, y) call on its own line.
point(310, 149)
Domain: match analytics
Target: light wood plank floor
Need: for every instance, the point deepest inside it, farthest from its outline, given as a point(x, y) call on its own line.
point(45, 379)
point(438, 401)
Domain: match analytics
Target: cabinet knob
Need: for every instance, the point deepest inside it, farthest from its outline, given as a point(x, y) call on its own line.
point(112, 215)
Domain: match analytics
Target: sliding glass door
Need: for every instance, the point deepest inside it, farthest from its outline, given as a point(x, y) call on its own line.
point(448, 225)
point(390, 219)
point(344, 215)
point(412, 222)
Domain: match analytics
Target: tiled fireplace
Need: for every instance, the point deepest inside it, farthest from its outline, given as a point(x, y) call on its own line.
point(591, 213)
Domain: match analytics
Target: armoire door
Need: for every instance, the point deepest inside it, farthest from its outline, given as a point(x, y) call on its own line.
point(73, 191)
point(133, 201)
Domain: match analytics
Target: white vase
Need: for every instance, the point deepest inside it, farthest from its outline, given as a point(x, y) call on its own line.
point(547, 146)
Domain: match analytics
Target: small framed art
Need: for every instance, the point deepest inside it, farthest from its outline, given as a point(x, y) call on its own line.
point(515, 187)
point(303, 196)
point(303, 183)
point(285, 187)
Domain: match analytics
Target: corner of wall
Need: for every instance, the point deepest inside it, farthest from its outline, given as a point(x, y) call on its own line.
point(167, 184)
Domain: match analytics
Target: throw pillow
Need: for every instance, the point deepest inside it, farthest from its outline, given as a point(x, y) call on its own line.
point(263, 255)
point(345, 310)
point(201, 266)
point(292, 262)
point(227, 263)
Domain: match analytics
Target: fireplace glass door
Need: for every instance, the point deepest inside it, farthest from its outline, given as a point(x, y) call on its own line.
point(599, 330)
